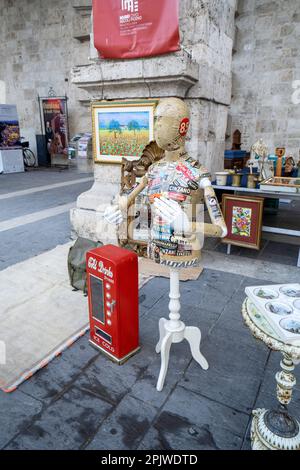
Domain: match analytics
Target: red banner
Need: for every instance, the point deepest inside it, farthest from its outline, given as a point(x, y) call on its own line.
point(126, 29)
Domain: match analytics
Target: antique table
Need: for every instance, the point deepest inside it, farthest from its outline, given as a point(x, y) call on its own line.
point(274, 429)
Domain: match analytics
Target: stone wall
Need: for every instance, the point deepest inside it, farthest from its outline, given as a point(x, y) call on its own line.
point(265, 65)
point(40, 41)
point(207, 31)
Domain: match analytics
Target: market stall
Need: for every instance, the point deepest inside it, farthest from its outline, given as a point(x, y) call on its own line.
point(268, 182)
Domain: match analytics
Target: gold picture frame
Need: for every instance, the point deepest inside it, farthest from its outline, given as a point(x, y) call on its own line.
point(243, 217)
point(122, 129)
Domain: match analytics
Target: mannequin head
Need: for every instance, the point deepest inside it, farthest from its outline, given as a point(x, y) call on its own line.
point(172, 120)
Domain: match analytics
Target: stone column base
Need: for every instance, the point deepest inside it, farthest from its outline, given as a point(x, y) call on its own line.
point(87, 218)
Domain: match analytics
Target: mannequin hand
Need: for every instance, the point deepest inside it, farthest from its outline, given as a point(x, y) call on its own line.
point(171, 212)
point(113, 215)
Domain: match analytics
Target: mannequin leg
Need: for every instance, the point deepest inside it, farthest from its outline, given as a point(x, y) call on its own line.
point(193, 335)
point(162, 333)
point(165, 351)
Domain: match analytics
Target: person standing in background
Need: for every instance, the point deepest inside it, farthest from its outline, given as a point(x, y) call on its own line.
point(49, 137)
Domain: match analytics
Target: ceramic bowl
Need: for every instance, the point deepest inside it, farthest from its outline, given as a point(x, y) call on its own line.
point(296, 304)
point(290, 292)
point(293, 326)
point(279, 308)
point(266, 293)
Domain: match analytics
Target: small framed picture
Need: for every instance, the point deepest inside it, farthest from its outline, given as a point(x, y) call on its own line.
point(122, 129)
point(243, 217)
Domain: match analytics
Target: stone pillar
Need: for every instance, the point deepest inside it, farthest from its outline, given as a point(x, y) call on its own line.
point(87, 218)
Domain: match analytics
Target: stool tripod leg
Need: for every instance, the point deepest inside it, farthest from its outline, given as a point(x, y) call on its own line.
point(162, 333)
point(165, 351)
point(193, 335)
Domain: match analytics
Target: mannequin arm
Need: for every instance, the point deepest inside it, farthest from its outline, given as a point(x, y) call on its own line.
point(114, 213)
point(209, 230)
point(218, 227)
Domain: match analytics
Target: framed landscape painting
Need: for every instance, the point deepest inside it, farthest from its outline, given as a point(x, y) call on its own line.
point(243, 217)
point(122, 129)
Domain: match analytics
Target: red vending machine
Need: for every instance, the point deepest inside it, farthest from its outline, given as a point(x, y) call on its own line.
point(112, 278)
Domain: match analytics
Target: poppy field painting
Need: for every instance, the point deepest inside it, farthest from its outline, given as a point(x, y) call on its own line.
point(124, 134)
point(122, 130)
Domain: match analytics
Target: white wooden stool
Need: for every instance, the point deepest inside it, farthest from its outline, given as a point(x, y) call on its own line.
point(175, 331)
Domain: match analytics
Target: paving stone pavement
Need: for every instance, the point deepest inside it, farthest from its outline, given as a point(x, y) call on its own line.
point(30, 239)
point(82, 400)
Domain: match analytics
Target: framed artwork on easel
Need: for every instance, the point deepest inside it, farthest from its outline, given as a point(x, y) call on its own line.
point(122, 129)
point(243, 217)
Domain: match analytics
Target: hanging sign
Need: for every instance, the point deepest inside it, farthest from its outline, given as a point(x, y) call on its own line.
point(126, 29)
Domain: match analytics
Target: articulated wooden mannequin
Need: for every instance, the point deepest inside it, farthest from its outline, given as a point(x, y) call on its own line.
point(176, 186)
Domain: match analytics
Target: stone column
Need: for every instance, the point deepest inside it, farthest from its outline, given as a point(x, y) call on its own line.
point(87, 218)
point(170, 75)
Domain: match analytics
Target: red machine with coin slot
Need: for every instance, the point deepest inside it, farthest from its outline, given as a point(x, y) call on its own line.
point(112, 279)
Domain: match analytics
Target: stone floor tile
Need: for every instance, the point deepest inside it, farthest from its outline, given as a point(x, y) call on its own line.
point(191, 316)
point(111, 381)
point(82, 350)
point(235, 371)
point(17, 410)
point(211, 291)
point(153, 291)
point(222, 248)
point(145, 388)
point(67, 424)
point(125, 427)
point(49, 382)
point(189, 421)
